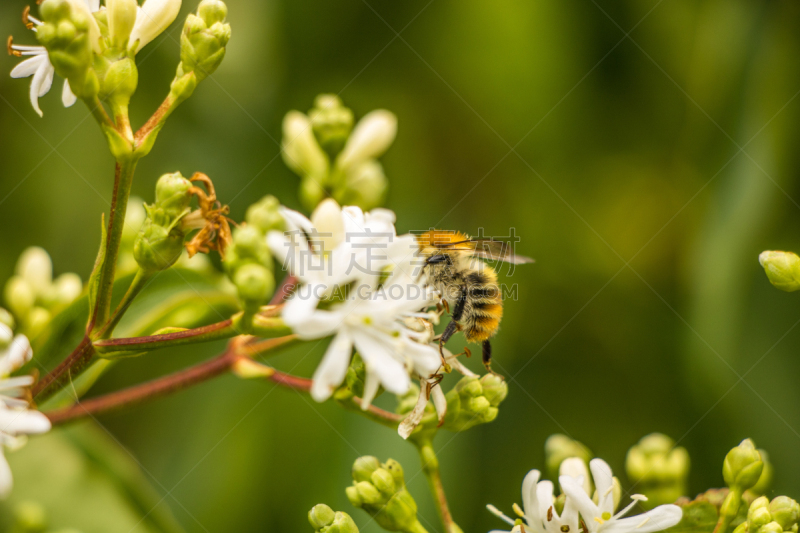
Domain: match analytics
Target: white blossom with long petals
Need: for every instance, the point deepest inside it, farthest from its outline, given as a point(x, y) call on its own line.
point(152, 18)
point(540, 516)
point(349, 248)
point(16, 420)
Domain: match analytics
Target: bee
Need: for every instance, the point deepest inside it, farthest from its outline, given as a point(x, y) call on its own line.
point(454, 266)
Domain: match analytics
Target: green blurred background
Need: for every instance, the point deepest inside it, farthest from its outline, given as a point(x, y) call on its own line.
point(642, 149)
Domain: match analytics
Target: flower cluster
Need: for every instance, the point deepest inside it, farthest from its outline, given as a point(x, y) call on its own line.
point(360, 282)
point(16, 418)
point(580, 511)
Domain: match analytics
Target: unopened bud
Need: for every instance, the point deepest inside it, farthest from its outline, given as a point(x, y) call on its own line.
point(157, 247)
point(659, 467)
point(320, 516)
point(785, 511)
point(558, 448)
point(782, 268)
point(467, 406)
point(495, 388)
point(66, 288)
point(575, 467)
point(765, 481)
point(19, 296)
point(134, 218)
point(204, 39)
point(311, 193)
point(332, 122)
point(363, 467)
point(265, 215)
point(35, 266)
point(371, 137)
point(365, 185)
point(38, 319)
point(383, 481)
point(255, 284)
point(742, 466)
point(300, 149)
point(172, 194)
point(120, 81)
point(121, 18)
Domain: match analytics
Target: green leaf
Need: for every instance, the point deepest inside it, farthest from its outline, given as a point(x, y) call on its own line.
point(94, 278)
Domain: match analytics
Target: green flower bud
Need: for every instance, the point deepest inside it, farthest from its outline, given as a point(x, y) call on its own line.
point(468, 406)
point(320, 516)
point(659, 468)
point(265, 215)
point(29, 517)
point(70, 33)
point(157, 247)
point(119, 81)
point(35, 266)
point(559, 447)
point(758, 514)
point(255, 284)
point(6, 318)
point(331, 122)
point(300, 150)
point(363, 467)
point(134, 218)
point(204, 39)
point(785, 511)
point(324, 520)
point(782, 268)
point(495, 388)
point(383, 481)
point(172, 194)
point(765, 481)
point(384, 495)
point(742, 466)
point(37, 320)
point(356, 374)
point(772, 527)
point(66, 289)
point(365, 186)
point(19, 296)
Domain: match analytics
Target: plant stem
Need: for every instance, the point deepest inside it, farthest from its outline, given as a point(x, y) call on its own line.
point(59, 376)
point(430, 465)
point(212, 332)
point(284, 290)
point(122, 188)
point(139, 282)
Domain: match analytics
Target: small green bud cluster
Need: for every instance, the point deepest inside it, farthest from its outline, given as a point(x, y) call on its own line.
point(380, 489)
point(335, 159)
point(33, 296)
point(777, 516)
point(160, 240)
point(474, 401)
point(324, 520)
point(135, 216)
point(203, 40)
point(69, 32)
point(248, 260)
point(558, 448)
point(743, 466)
point(659, 469)
point(782, 268)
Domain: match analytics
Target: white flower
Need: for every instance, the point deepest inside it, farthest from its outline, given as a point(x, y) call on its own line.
point(600, 516)
point(342, 249)
point(152, 18)
point(540, 516)
point(16, 420)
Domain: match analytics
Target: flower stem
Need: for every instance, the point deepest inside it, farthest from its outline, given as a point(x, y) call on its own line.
point(728, 510)
point(59, 376)
point(139, 282)
point(116, 221)
point(430, 465)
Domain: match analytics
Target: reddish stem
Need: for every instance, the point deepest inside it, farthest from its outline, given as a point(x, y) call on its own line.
point(138, 342)
point(284, 290)
point(75, 362)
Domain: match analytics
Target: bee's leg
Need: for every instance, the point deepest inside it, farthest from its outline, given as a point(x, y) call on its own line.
point(452, 327)
point(487, 357)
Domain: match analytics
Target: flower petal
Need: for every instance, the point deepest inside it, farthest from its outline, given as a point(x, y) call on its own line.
point(413, 419)
point(332, 369)
point(529, 499)
point(68, 98)
point(152, 18)
point(603, 482)
point(658, 519)
point(371, 137)
point(23, 421)
point(379, 357)
point(308, 322)
point(29, 66)
point(38, 81)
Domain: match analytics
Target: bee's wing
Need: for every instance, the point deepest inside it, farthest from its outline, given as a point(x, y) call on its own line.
point(489, 249)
